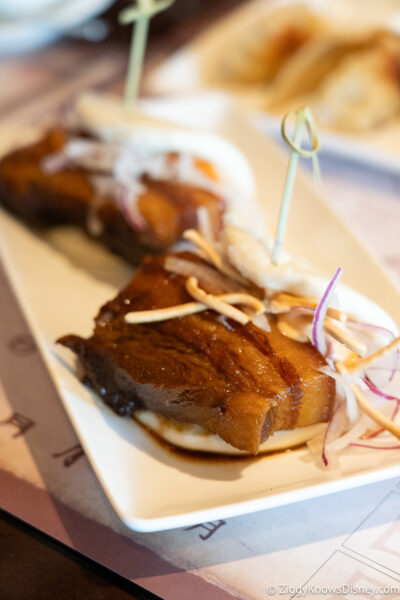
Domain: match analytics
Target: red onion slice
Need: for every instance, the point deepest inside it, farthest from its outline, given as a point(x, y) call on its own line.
point(384, 372)
point(344, 382)
point(104, 185)
point(209, 278)
point(317, 333)
point(371, 327)
point(373, 446)
point(204, 224)
point(261, 321)
point(127, 202)
point(351, 436)
point(54, 163)
point(382, 430)
point(379, 392)
point(336, 426)
point(91, 154)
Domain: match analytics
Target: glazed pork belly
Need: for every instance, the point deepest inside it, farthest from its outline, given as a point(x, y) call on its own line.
point(237, 381)
point(43, 193)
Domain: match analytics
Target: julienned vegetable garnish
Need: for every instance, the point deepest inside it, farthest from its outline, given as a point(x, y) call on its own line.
point(318, 336)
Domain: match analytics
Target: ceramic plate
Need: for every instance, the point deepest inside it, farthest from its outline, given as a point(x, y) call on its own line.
point(34, 24)
point(62, 279)
point(188, 71)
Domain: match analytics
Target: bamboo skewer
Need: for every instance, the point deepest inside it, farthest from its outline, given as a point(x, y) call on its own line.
point(303, 119)
point(140, 15)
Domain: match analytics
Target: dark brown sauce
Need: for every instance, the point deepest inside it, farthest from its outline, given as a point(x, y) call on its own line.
point(208, 457)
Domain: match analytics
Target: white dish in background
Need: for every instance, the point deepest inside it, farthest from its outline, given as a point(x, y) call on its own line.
point(182, 73)
point(149, 487)
point(23, 8)
point(34, 24)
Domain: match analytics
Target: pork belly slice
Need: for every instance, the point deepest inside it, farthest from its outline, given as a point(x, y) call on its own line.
point(236, 381)
point(68, 196)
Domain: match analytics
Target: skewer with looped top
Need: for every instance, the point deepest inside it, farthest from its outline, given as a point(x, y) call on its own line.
point(303, 118)
point(140, 15)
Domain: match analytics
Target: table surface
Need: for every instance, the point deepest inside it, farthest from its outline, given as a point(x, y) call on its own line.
point(32, 561)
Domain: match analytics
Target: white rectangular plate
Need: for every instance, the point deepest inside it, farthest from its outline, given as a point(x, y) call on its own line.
point(62, 279)
point(183, 73)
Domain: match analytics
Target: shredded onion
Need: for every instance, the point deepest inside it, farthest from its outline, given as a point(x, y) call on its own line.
point(91, 154)
point(209, 278)
point(352, 435)
point(385, 372)
point(127, 201)
point(336, 426)
point(317, 334)
point(378, 392)
point(331, 350)
point(104, 185)
point(371, 327)
point(261, 321)
point(54, 163)
point(204, 223)
point(373, 446)
point(345, 381)
point(382, 430)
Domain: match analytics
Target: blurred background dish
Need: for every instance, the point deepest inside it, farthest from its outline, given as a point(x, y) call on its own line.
point(23, 8)
point(345, 67)
point(340, 57)
point(28, 24)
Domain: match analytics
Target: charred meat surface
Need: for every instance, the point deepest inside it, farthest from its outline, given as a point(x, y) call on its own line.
point(235, 380)
point(68, 196)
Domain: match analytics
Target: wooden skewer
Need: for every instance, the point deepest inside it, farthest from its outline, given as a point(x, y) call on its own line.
point(140, 15)
point(368, 408)
point(303, 118)
point(352, 365)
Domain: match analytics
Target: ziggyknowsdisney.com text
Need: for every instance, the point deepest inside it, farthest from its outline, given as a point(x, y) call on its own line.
point(341, 590)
